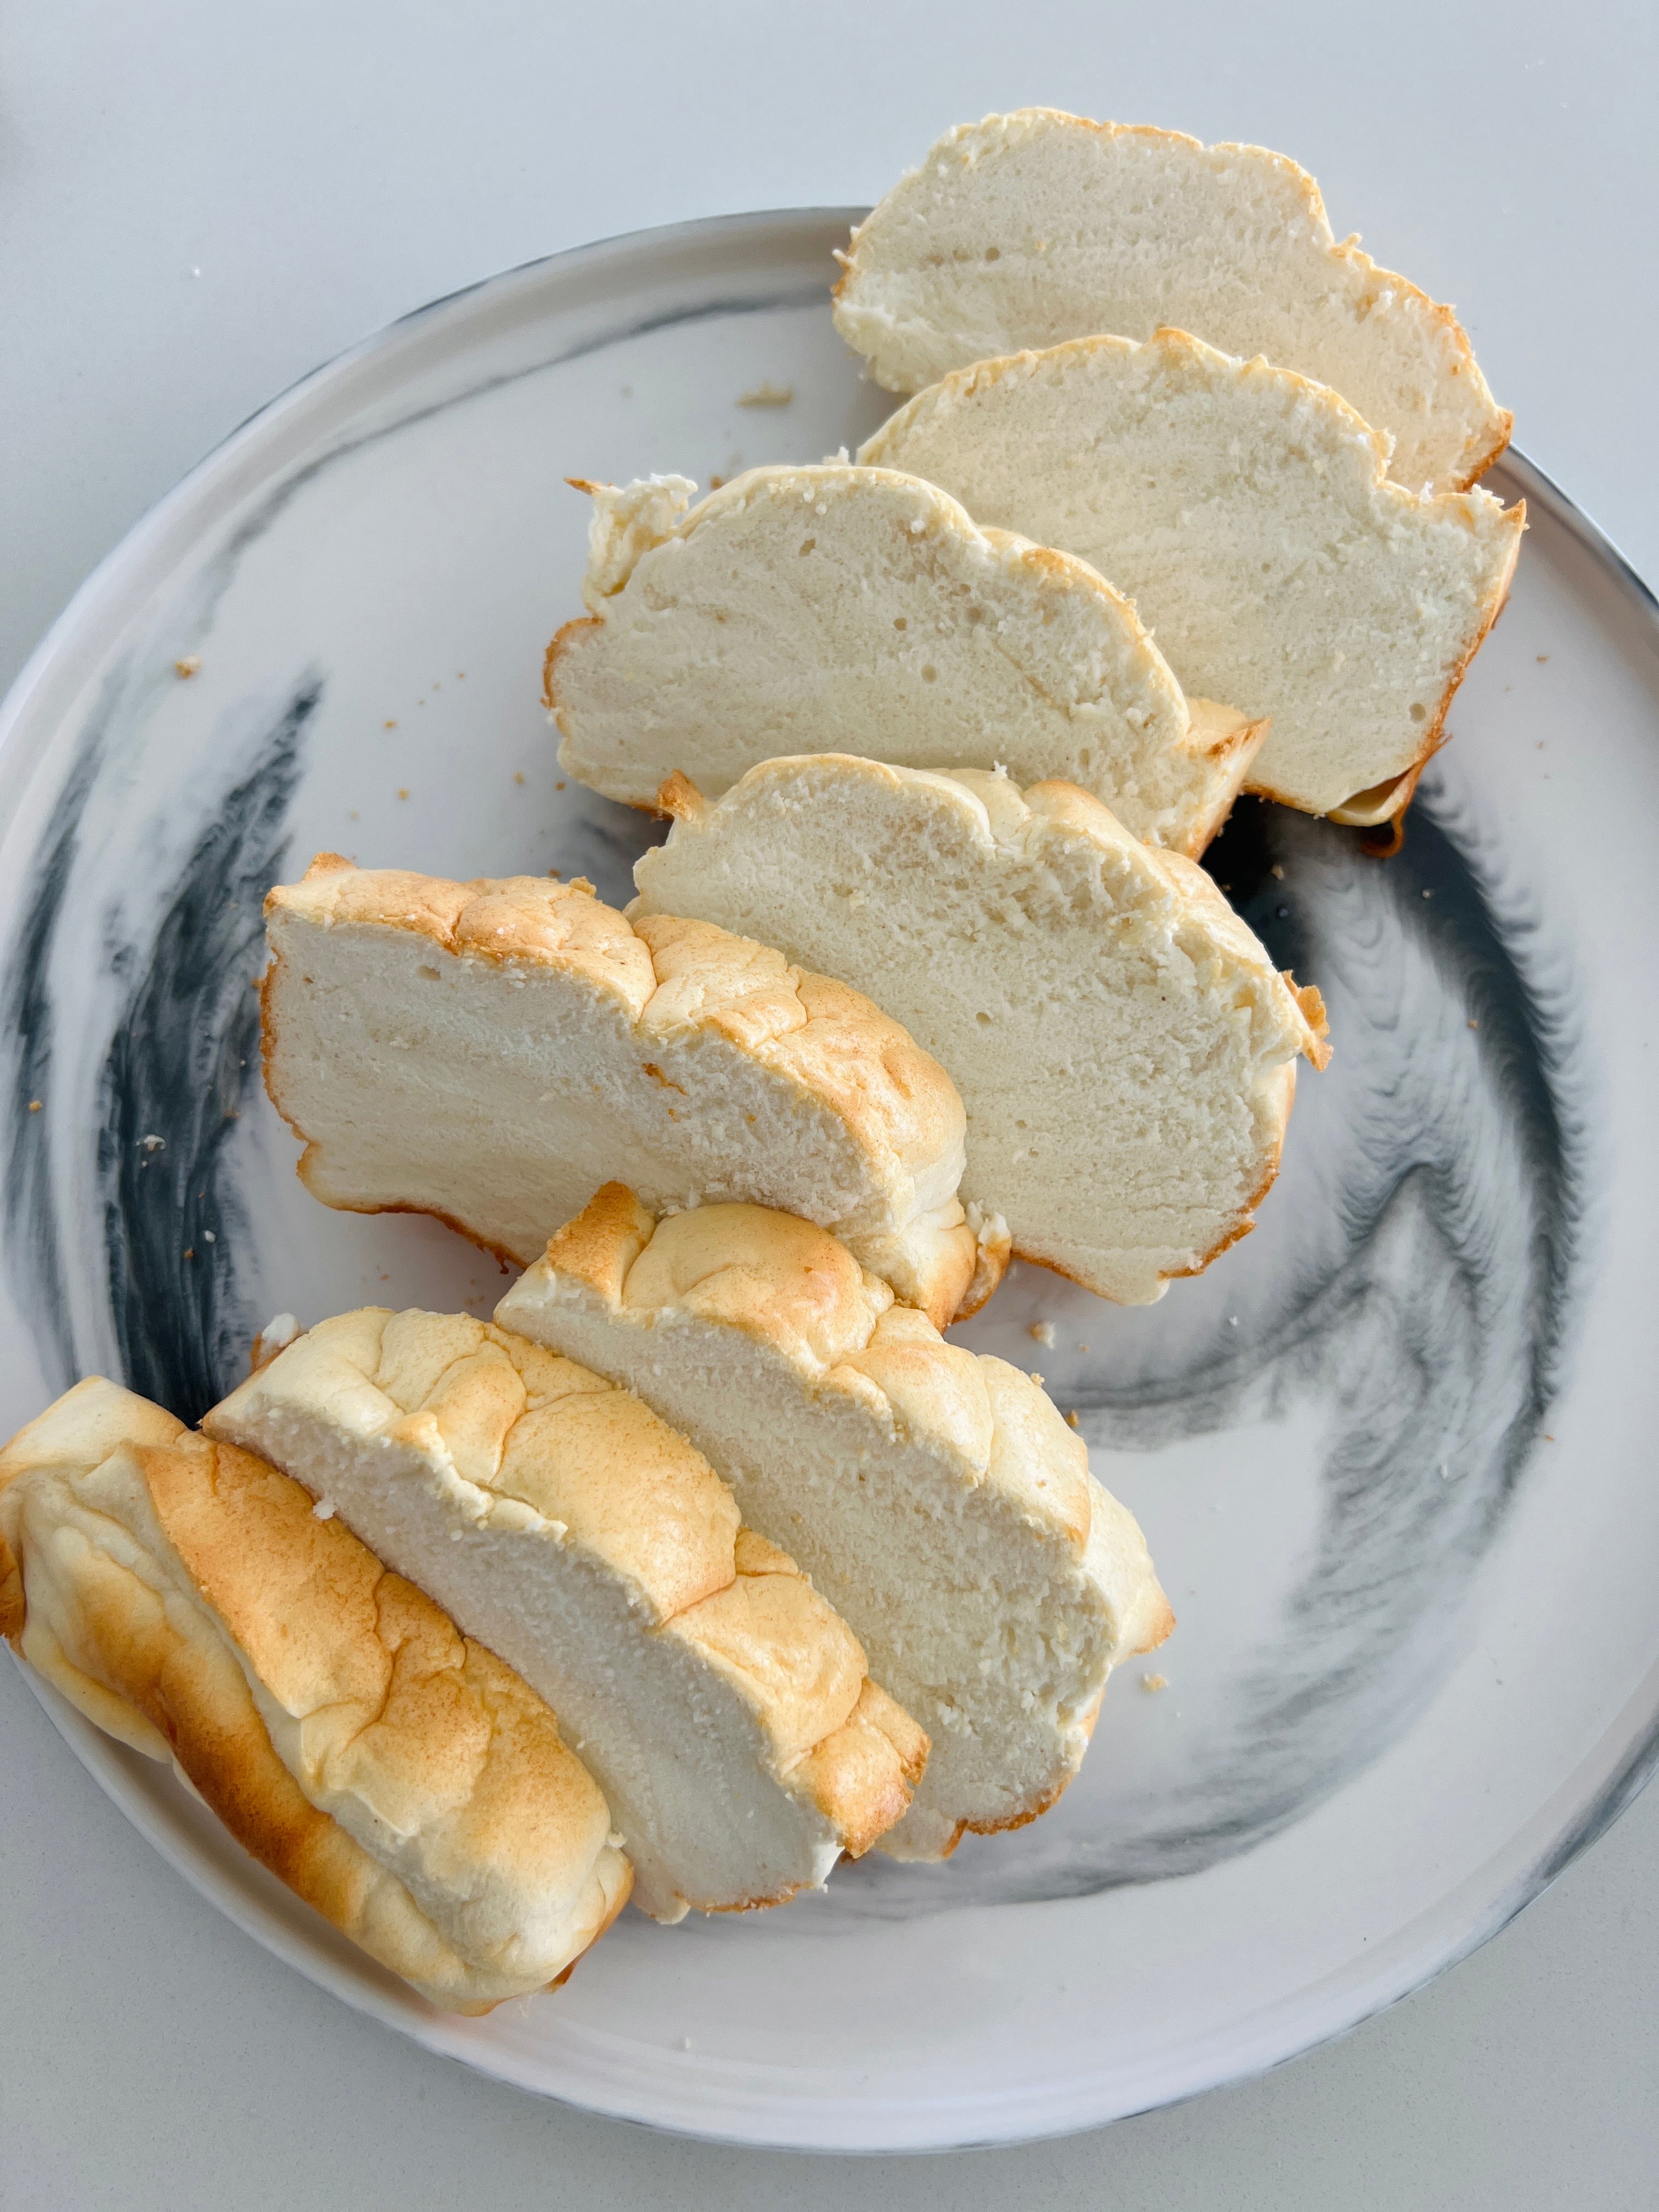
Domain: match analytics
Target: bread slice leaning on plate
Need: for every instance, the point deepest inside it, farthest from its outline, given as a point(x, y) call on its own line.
point(936, 1498)
point(1246, 511)
point(1124, 1047)
point(492, 1052)
point(397, 1776)
point(839, 608)
point(723, 1707)
point(1031, 228)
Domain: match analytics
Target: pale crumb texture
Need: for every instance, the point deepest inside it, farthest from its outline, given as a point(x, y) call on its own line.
point(719, 1700)
point(839, 609)
point(188, 1599)
point(1247, 513)
point(1154, 1682)
point(1031, 228)
point(1123, 1045)
point(492, 1052)
point(934, 1495)
point(768, 395)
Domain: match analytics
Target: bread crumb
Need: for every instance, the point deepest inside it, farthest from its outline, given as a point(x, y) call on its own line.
point(767, 395)
point(209, 1237)
point(1072, 1419)
point(35, 1105)
point(157, 1144)
point(189, 666)
point(388, 725)
point(403, 792)
point(517, 775)
point(1043, 1332)
point(1278, 872)
point(716, 482)
point(322, 1510)
point(1474, 1025)
point(1151, 1682)
point(1038, 1380)
point(1543, 658)
point(558, 786)
point(189, 1251)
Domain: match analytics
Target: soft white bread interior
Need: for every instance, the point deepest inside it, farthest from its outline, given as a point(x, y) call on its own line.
point(1247, 513)
point(492, 1052)
point(1123, 1045)
point(936, 1498)
point(397, 1776)
point(839, 608)
point(1031, 228)
point(723, 1705)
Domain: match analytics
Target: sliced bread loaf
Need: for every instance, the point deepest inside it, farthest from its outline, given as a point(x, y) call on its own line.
point(1124, 1047)
point(397, 1776)
point(936, 1499)
point(492, 1051)
point(1247, 513)
point(723, 1707)
point(1029, 228)
point(839, 608)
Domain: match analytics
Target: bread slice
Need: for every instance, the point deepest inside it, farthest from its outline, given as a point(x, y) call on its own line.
point(723, 1707)
point(839, 608)
point(492, 1051)
point(1031, 228)
point(394, 1774)
point(1124, 1047)
point(1247, 512)
point(936, 1499)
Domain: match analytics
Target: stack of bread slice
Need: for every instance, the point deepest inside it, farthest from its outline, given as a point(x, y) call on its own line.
point(724, 1708)
point(710, 1561)
point(396, 1775)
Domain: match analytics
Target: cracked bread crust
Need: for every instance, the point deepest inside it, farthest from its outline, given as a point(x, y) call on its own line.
point(840, 1416)
point(395, 1775)
point(837, 608)
point(520, 1447)
point(1031, 228)
point(859, 1118)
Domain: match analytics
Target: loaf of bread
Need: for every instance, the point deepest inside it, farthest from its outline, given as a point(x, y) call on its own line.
point(839, 608)
point(397, 1776)
point(491, 1053)
point(936, 1499)
point(1123, 1045)
point(1246, 511)
point(1031, 228)
point(723, 1707)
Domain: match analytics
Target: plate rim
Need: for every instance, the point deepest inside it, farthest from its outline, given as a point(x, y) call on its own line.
point(1625, 1755)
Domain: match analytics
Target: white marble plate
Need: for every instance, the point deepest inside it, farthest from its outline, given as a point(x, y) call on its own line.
point(1393, 1452)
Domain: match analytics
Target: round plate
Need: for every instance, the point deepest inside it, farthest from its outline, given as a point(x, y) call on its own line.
point(1392, 1453)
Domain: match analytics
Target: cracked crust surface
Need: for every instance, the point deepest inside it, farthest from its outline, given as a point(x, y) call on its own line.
point(1024, 230)
point(562, 1522)
point(397, 1776)
point(935, 1494)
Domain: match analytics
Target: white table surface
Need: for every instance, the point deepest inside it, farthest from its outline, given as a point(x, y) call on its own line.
point(202, 201)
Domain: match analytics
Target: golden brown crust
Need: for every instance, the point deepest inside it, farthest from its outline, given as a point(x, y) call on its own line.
point(190, 1588)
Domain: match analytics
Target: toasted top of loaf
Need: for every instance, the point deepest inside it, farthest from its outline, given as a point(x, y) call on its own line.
point(545, 1487)
point(397, 1776)
point(839, 609)
point(937, 1496)
point(491, 1051)
point(1247, 511)
point(1031, 228)
point(1122, 1042)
